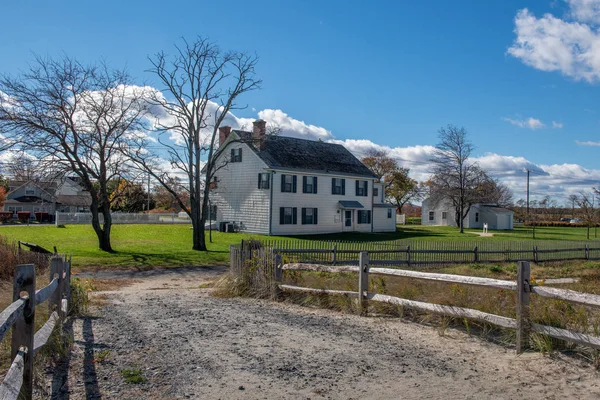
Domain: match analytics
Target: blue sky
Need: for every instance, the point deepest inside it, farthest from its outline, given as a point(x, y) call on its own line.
point(391, 72)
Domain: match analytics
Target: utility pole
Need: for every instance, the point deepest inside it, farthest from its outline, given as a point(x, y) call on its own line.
point(527, 193)
point(148, 208)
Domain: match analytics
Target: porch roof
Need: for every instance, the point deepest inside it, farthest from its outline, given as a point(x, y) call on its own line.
point(350, 204)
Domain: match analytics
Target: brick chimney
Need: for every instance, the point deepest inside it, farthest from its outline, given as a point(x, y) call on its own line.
point(224, 132)
point(259, 131)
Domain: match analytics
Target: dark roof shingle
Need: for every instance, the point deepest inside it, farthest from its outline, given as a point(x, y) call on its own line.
point(293, 153)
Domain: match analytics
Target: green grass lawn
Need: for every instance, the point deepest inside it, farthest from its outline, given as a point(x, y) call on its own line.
point(148, 246)
point(140, 246)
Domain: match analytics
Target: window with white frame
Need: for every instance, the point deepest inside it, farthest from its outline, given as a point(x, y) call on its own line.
point(364, 217)
point(236, 155)
point(263, 180)
point(431, 215)
point(362, 188)
point(444, 215)
point(375, 192)
point(288, 183)
point(338, 186)
point(476, 217)
point(309, 184)
point(288, 215)
point(389, 213)
point(309, 216)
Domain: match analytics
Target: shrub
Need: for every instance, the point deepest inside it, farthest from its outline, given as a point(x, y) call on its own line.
point(10, 256)
point(5, 216)
point(23, 216)
point(79, 297)
point(42, 216)
point(556, 224)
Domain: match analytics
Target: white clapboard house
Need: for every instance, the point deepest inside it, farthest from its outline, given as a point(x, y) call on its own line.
point(276, 185)
point(442, 213)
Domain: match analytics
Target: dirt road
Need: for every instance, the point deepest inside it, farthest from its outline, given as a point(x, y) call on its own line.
point(187, 344)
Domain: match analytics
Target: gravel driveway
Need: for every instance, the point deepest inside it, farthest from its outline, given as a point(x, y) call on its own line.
point(187, 344)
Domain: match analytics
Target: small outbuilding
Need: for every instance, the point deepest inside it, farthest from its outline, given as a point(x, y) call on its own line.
point(442, 213)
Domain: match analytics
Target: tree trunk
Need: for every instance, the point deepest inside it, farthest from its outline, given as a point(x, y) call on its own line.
point(462, 219)
point(198, 239)
point(103, 233)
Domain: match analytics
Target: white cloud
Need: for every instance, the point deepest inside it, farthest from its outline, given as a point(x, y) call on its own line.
point(531, 123)
point(588, 143)
point(585, 10)
point(553, 44)
point(293, 127)
point(557, 125)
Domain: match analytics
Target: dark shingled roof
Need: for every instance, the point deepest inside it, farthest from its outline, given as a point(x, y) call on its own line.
point(350, 204)
point(292, 153)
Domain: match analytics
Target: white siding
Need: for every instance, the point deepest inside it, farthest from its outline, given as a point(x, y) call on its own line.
point(437, 209)
point(323, 200)
point(379, 199)
point(381, 222)
point(237, 195)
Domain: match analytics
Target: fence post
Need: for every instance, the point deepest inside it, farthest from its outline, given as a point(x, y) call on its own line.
point(475, 255)
point(278, 274)
point(408, 255)
point(523, 290)
point(535, 254)
point(363, 282)
point(54, 302)
point(587, 252)
point(334, 253)
point(24, 329)
point(68, 284)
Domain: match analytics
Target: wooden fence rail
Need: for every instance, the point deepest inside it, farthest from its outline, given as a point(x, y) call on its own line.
point(422, 253)
point(20, 315)
point(522, 323)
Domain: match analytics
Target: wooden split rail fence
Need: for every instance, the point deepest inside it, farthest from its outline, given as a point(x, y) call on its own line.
point(264, 268)
point(20, 315)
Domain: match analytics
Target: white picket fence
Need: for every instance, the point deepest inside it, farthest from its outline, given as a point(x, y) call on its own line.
point(123, 218)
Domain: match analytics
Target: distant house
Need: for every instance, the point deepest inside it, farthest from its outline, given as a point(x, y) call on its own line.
point(277, 185)
point(46, 196)
point(442, 213)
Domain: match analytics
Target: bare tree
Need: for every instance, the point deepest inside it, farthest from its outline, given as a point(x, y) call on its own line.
point(455, 177)
point(201, 85)
point(573, 198)
point(75, 118)
point(587, 210)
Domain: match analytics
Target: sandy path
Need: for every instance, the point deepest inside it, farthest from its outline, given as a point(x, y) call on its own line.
point(190, 345)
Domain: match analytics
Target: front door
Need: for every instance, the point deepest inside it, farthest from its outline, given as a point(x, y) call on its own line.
point(348, 220)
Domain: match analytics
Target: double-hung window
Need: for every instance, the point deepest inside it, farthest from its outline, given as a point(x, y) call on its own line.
point(431, 215)
point(389, 213)
point(375, 192)
point(288, 183)
point(362, 188)
point(309, 216)
point(338, 186)
point(444, 215)
point(309, 184)
point(264, 180)
point(236, 155)
point(288, 215)
point(364, 216)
